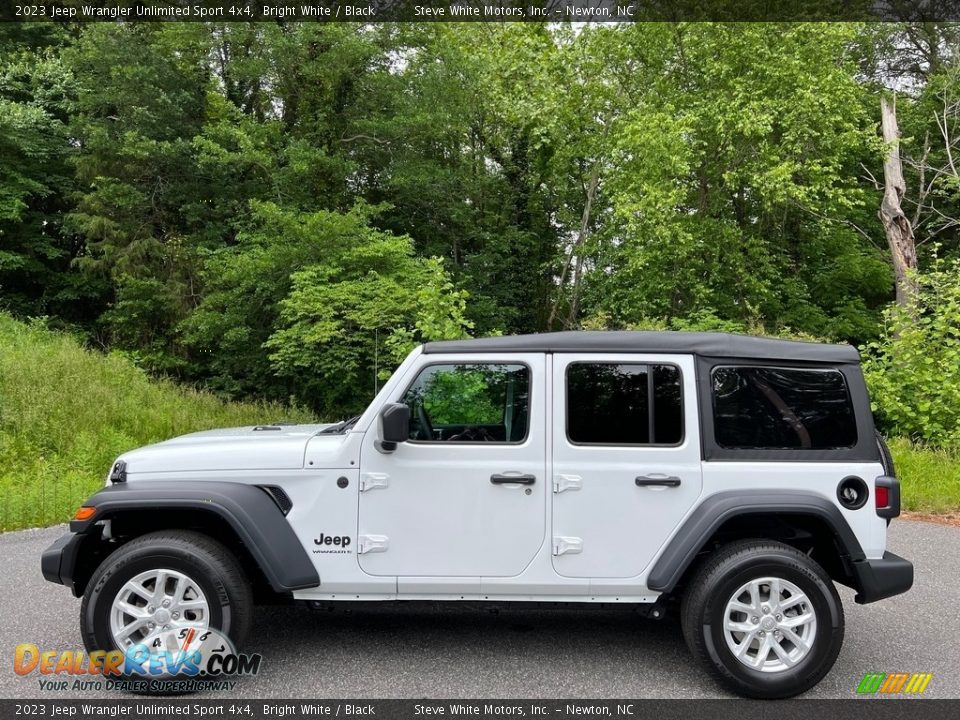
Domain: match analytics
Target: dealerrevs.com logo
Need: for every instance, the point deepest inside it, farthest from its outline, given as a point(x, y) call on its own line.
point(180, 660)
point(894, 683)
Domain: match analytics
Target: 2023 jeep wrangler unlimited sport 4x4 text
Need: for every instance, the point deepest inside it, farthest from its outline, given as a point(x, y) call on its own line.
point(741, 475)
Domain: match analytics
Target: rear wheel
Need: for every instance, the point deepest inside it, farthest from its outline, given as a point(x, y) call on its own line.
point(163, 583)
point(763, 619)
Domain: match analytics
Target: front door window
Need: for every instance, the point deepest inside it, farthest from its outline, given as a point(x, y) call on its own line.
point(481, 402)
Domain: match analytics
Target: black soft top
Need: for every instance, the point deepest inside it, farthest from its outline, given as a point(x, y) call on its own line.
point(630, 341)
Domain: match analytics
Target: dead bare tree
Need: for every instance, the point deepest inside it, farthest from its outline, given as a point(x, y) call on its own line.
point(937, 172)
point(573, 264)
point(572, 270)
point(896, 224)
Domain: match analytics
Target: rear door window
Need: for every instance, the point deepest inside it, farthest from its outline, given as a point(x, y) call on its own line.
point(624, 404)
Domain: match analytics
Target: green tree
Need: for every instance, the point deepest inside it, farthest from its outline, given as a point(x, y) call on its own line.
point(36, 100)
point(142, 205)
point(330, 298)
point(205, 205)
point(462, 163)
point(735, 180)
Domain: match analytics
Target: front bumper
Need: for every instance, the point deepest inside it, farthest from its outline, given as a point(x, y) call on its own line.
point(59, 561)
point(882, 578)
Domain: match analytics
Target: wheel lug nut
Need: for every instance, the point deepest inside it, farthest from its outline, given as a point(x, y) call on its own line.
point(166, 603)
point(755, 619)
point(779, 617)
point(766, 609)
point(150, 608)
point(762, 634)
point(151, 625)
point(175, 615)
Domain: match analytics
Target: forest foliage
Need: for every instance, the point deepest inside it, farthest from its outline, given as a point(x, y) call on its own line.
point(281, 210)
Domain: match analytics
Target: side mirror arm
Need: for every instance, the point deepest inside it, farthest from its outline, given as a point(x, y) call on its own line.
point(385, 446)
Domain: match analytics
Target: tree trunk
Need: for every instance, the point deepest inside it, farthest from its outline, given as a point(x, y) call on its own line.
point(584, 230)
point(574, 255)
point(896, 225)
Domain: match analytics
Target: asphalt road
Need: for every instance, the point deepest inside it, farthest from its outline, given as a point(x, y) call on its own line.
point(467, 653)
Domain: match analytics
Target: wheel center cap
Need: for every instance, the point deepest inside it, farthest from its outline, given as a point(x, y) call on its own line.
point(768, 623)
point(162, 616)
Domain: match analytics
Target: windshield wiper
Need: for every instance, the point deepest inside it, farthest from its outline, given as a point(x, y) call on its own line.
point(341, 426)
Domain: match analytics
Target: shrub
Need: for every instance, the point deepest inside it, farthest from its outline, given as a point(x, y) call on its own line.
point(913, 371)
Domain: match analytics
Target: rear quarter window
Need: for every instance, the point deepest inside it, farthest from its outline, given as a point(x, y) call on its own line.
point(782, 408)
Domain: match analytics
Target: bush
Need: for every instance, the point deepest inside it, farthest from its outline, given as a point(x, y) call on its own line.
point(913, 371)
point(67, 412)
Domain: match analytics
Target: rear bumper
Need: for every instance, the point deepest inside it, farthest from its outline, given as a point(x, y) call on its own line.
point(59, 561)
point(882, 578)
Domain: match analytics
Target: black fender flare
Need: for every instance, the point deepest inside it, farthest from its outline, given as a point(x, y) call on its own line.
point(249, 511)
point(717, 509)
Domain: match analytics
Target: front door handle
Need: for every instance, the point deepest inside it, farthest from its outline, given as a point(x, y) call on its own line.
point(513, 479)
point(664, 481)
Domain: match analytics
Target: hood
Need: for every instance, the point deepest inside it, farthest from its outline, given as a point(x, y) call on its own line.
point(264, 447)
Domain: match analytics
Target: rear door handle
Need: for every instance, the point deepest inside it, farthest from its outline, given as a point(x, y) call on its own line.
point(664, 481)
point(513, 479)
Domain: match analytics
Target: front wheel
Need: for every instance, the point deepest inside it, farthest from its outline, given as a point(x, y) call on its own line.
point(764, 619)
point(163, 586)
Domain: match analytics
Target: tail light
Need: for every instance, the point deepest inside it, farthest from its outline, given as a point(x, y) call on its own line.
point(886, 496)
point(882, 497)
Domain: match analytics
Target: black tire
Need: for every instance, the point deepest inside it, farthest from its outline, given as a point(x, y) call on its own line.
point(211, 565)
point(713, 585)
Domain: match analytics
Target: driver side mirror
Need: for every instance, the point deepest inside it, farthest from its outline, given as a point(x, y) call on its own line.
point(395, 426)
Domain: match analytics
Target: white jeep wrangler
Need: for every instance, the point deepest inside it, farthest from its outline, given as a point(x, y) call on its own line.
point(741, 475)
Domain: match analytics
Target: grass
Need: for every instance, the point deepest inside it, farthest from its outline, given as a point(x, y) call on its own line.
point(929, 478)
point(67, 412)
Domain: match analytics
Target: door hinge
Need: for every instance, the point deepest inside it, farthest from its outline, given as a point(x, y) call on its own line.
point(567, 545)
point(372, 543)
point(372, 481)
point(566, 482)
